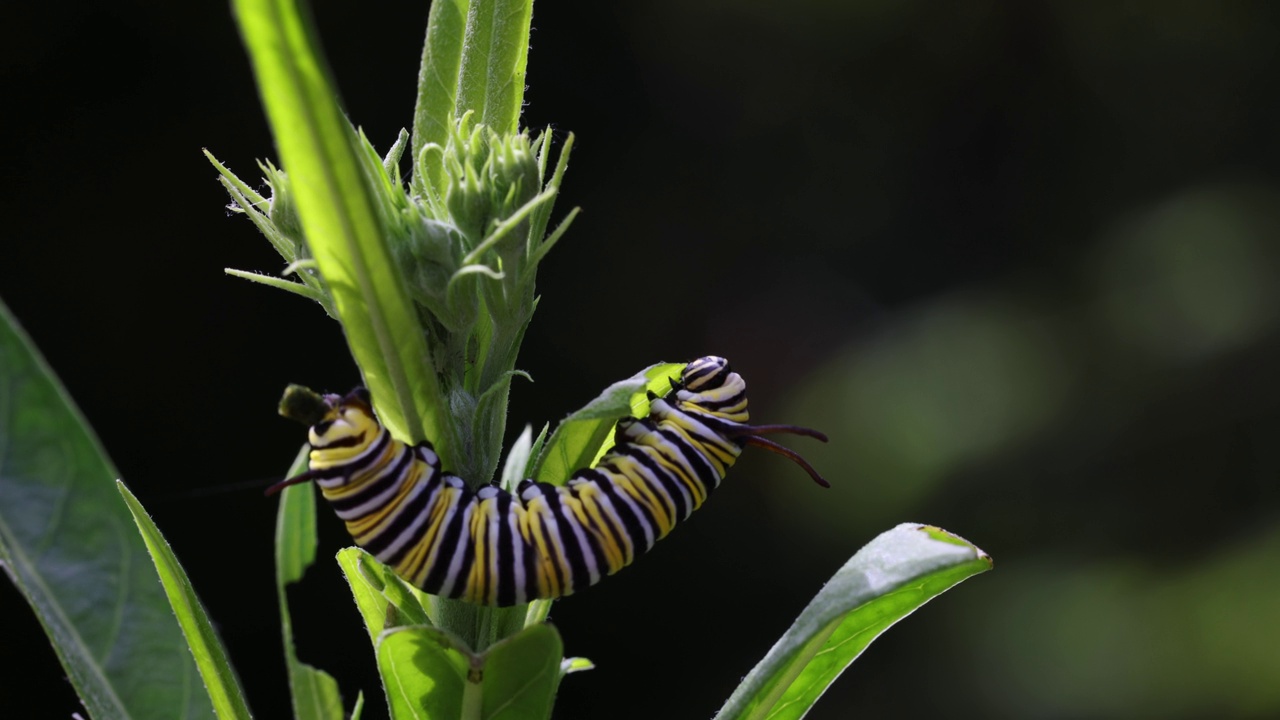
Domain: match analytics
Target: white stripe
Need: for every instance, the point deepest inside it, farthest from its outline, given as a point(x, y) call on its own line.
point(409, 532)
point(459, 553)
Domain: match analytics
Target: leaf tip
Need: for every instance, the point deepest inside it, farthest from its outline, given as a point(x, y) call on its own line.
point(937, 533)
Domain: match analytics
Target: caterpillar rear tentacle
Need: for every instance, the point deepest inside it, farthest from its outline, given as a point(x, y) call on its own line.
point(494, 547)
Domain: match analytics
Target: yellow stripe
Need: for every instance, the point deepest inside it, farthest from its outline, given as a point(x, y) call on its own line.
point(600, 524)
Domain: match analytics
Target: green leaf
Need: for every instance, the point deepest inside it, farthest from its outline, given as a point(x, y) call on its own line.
point(428, 673)
point(381, 595)
point(537, 611)
point(339, 208)
point(521, 674)
point(576, 664)
point(211, 658)
point(494, 53)
point(424, 671)
point(884, 582)
point(582, 437)
point(67, 543)
point(434, 113)
point(315, 692)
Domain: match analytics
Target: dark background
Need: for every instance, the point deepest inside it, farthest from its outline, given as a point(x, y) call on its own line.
point(1018, 259)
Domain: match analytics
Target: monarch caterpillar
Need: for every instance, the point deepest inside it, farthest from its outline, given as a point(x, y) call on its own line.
point(493, 547)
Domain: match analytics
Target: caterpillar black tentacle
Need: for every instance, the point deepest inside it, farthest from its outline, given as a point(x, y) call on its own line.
point(493, 547)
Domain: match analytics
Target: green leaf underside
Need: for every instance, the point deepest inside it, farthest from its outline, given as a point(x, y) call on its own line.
point(885, 581)
point(315, 692)
point(438, 86)
point(430, 674)
point(586, 434)
point(211, 658)
point(67, 543)
point(338, 208)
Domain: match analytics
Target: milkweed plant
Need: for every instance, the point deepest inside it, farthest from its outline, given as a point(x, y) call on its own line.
point(432, 279)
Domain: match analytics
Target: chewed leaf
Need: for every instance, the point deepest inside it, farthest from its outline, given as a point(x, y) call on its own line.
point(315, 692)
point(885, 581)
point(586, 434)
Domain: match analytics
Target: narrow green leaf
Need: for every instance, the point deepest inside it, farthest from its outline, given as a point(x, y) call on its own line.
point(884, 582)
point(517, 460)
point(67, 543)
point(295, 526)
point(424, 672)
point(582, 437)
point(338, 207)
point(211, 658)
point(279, 283)
point(535, 451)
point(434, 112)
point(521, 674)
point(315, 692)
point(494, 54)
point(537, 612)
point(253, 201)
point(391, 163)
point(537, 245)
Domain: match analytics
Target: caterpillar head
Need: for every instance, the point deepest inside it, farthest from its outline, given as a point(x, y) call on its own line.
point(709, 386)
point(705, 373)
point(348, 425)
point(342, 426)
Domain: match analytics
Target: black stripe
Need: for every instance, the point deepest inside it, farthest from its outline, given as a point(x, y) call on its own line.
point(703, 471)
point(673, 486)
point(608, 527)
point(717, 404)
point(345, 442)
point(529, 556)
point(330, 473)
point(569, 542)
point(556, 568)
point(357, 464)
point(505, 560)
point(389, 477)
point(447, 544)
point(468, 556)
point(403, 517)
point(597, 550)
point(711, 375)
point(633, 524)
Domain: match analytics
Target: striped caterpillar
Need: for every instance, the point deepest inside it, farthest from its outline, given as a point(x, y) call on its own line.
point(493, 547)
